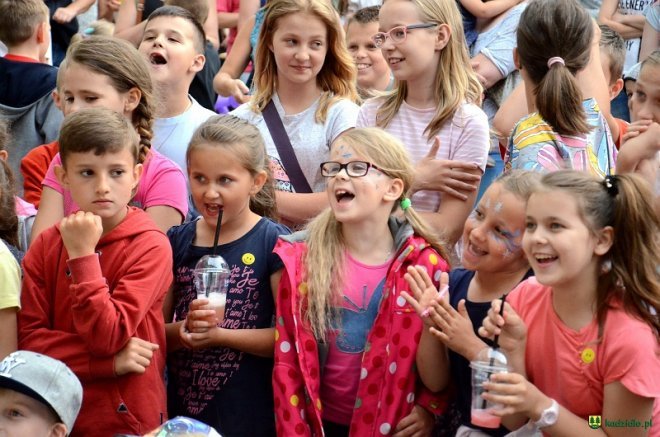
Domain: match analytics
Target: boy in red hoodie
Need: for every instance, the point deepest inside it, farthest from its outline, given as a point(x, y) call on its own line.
point(94, 284)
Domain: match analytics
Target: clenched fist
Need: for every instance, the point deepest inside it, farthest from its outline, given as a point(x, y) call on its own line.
point(81, 231)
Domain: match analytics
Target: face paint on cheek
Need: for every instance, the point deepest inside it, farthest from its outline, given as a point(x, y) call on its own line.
point(498, 206)
point(508, 240)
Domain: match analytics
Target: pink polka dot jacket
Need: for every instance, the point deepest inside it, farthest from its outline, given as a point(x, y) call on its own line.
point(389, 385)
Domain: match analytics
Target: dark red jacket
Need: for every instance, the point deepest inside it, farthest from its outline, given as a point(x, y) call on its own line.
point(84, 311)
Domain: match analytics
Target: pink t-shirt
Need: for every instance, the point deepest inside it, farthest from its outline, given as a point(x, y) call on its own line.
point(465, 138)
point(24, 209)
point(556, 361)
point(162, 184)
point(341, 375)
point(228, 6)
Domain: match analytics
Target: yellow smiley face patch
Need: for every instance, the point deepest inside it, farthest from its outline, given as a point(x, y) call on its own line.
point(248, 259)
point(588, 355)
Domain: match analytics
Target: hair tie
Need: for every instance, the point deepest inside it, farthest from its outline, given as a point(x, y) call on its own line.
point(405, 203)
point(554, 60)
point(611, 184)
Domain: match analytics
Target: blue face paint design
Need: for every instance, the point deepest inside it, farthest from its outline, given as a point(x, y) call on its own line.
point(347, 155)
point(498, 207)
point(508, 240)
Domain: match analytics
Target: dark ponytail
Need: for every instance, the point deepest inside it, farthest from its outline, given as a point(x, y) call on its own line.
point(556, 29)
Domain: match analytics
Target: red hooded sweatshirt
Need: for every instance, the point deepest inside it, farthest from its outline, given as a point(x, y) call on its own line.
point(84, 311)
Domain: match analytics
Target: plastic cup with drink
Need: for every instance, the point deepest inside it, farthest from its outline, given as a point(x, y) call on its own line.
point(488, 362)
point(211, 279)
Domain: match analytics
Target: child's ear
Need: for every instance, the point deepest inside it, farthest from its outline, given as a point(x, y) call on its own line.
point(516, 59)
point(258, 182)
point(604, 240)
point(616, 88)
point(442, 38)
point(62, 177)
point(4, 155)
point(58, 430)
point(137, 174)
point(198, 63)
point(57, 99)
point(133, 97)
point(394, 191)
point(42, 32)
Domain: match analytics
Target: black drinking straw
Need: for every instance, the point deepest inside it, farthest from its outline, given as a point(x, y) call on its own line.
point(495, 347)
point(497, 337)
point(217, 233)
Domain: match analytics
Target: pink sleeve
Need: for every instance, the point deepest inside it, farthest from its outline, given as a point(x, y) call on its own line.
point(163, 184)
point(632, 338)
point(473, 142)
point(50, 180)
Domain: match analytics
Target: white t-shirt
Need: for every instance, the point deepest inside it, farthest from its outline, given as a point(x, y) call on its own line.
point(632, 7)
point(310, 140)
point(464, 138)
point(172, 135)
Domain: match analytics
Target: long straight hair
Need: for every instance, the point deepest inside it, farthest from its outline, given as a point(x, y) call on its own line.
point(338, 74)
point(325, 259)
point(455, 81)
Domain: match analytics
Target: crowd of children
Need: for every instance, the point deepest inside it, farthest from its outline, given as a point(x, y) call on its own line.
point(373, 247)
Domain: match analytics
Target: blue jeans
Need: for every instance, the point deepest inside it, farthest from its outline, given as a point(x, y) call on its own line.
point(491, 173)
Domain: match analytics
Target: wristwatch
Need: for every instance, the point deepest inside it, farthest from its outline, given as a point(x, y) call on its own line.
point(549, 416)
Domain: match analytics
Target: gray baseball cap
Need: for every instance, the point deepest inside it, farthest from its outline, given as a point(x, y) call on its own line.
point(45, 379)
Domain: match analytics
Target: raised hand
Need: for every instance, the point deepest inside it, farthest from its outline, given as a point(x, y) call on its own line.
point(423, 293)
point(509, 327)
point(81, 231)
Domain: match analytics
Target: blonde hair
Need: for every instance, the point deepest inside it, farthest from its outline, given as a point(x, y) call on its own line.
point(246, 145)
point(324, 259)
point(635, 252)
point(520, 183)
point(338, 75)
point(455, 81)
point(97, 28)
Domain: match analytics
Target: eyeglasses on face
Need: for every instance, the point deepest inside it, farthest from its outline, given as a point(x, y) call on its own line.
point(355, 169)
point(398, 34)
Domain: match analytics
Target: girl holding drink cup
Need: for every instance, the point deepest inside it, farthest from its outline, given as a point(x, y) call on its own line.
point(219, 368)
point(493, 264)
point(582, 337)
